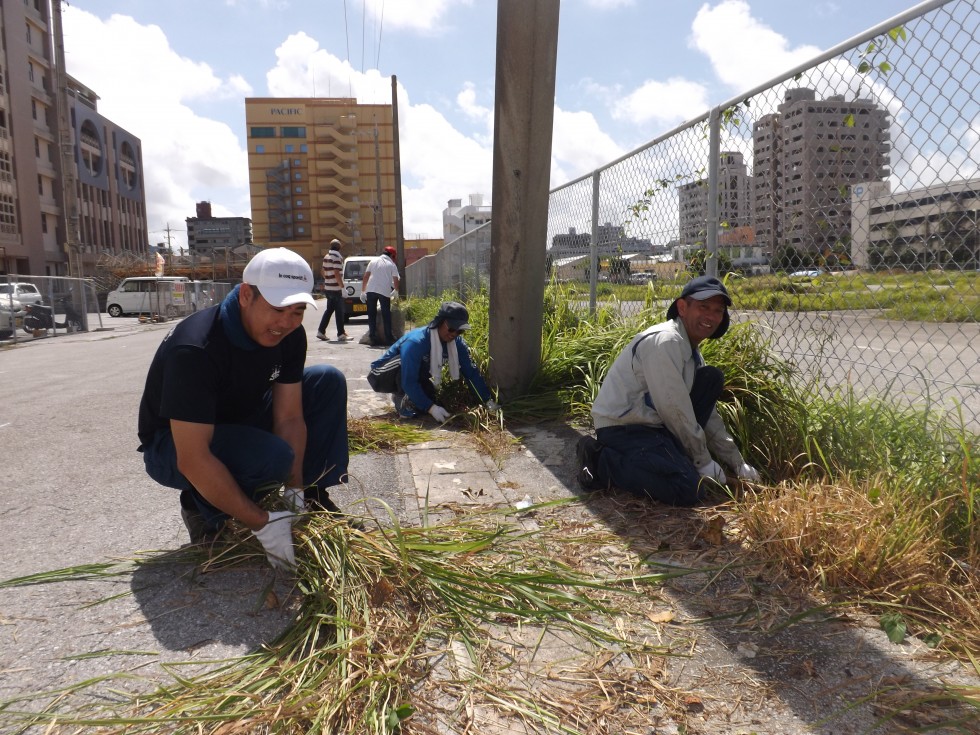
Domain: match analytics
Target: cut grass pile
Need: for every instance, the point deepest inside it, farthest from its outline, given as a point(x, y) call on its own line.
point(404, 628)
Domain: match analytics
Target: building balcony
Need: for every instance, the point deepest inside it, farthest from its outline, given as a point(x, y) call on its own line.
point(331, 184)
point(332, 151)
point(332, 134)
point(337, 169)
point(334, 200)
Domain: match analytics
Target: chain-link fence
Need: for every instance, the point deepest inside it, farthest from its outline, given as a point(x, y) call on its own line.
point(35, 306)
point(462, 267)
point(43, 306)
point(843, 196)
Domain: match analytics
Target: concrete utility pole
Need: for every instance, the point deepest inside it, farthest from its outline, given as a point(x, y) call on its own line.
point(66, 161)
point(527, 49)
point(396, 151)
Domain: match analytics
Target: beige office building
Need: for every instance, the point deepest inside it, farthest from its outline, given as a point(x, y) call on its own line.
point(321, 168)
point(49, 153)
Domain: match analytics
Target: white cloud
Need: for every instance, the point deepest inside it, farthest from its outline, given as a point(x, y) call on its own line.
point(147, 88)
point(609, 4)
point(665, 103)
point(579, 146)
point(417, 15)
point(743, 52)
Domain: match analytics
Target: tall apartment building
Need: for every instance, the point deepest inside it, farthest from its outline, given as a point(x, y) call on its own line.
point(206, 233)
point(806, 158)
point(54, 145)
point(321, 168)
point(734, 200)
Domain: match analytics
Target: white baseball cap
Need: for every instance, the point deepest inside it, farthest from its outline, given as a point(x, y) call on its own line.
point(281, 276)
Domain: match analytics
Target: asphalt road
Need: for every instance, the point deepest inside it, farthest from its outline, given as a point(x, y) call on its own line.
point(73, 491)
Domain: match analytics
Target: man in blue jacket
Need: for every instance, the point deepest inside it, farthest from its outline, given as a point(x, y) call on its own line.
point(422, 354)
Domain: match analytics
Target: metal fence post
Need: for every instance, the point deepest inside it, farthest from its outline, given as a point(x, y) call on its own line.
point(711, 223)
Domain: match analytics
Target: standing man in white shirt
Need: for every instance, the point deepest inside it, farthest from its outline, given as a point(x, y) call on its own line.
point(380, 285)
point(333, 289)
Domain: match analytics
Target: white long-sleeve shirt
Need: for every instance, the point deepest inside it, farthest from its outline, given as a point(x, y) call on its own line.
point(650, 383)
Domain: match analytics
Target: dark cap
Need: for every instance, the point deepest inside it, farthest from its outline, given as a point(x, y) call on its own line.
point(390, 252)
point(701, 288)
point(454, 314)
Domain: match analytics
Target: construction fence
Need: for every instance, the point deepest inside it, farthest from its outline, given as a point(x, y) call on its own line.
point(841, 200)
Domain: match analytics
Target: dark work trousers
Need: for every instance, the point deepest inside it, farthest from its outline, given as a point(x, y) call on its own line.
point(335, 305)
point(259, 460)
point(649, 461)
point(373, 299)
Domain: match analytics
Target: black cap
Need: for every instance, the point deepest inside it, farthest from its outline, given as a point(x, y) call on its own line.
point(701, 288)
point(454, 314)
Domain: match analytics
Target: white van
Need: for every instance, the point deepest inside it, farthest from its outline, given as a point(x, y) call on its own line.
point(150, 295)
point(354, 268)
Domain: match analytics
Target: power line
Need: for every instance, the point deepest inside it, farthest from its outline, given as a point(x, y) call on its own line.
point(381, 26)
point(350, 90)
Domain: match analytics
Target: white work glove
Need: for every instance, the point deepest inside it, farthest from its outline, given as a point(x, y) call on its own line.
point(276, 538)
point(746, 471)
point(492, 405)
point(295, 499)
point(394, 294)
point(363, 297)
point(438, 413)
point(713, 471)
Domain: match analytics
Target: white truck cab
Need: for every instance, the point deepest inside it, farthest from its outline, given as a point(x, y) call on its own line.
point(354, 268)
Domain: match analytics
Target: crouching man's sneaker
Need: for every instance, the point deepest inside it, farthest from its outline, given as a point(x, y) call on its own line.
point(200, 533)
point(403, 406)
point(586, 459)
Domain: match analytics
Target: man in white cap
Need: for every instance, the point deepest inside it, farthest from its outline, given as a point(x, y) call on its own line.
point(230, 414)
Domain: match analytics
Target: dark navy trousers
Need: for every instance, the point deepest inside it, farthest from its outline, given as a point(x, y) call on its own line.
point(258, 459)
point(649, 461)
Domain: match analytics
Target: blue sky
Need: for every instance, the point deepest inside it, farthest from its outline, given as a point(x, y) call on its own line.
point(176, 74)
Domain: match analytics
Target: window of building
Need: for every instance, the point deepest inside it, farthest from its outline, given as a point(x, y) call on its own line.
point(293, 132)
point(260, 148)
point(299, 215)
point(303, 148)
point(40, 185)
point(296, 162)
point(34, 109)
point(299, 190)
point(30, 71)
point(289, 147)
point(44, 223)
point(28, 34)
point(261, 132)
point(300, 230)
point(299, 202)
point(37, 148)
point(297, 176)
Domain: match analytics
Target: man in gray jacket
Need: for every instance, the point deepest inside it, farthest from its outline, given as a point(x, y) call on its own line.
point(657, 429)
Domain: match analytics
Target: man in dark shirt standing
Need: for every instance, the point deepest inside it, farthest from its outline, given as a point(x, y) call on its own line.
point(229, 413)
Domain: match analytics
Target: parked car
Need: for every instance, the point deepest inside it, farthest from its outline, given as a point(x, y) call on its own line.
point(354, 268)
point(16, 296)
point(10, 320)
point(807, 273)
point(149, 294)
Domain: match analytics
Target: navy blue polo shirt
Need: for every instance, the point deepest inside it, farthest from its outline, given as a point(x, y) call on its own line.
point(198, 375)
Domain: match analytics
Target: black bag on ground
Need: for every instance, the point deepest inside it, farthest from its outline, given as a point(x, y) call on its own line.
point(386, 378)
